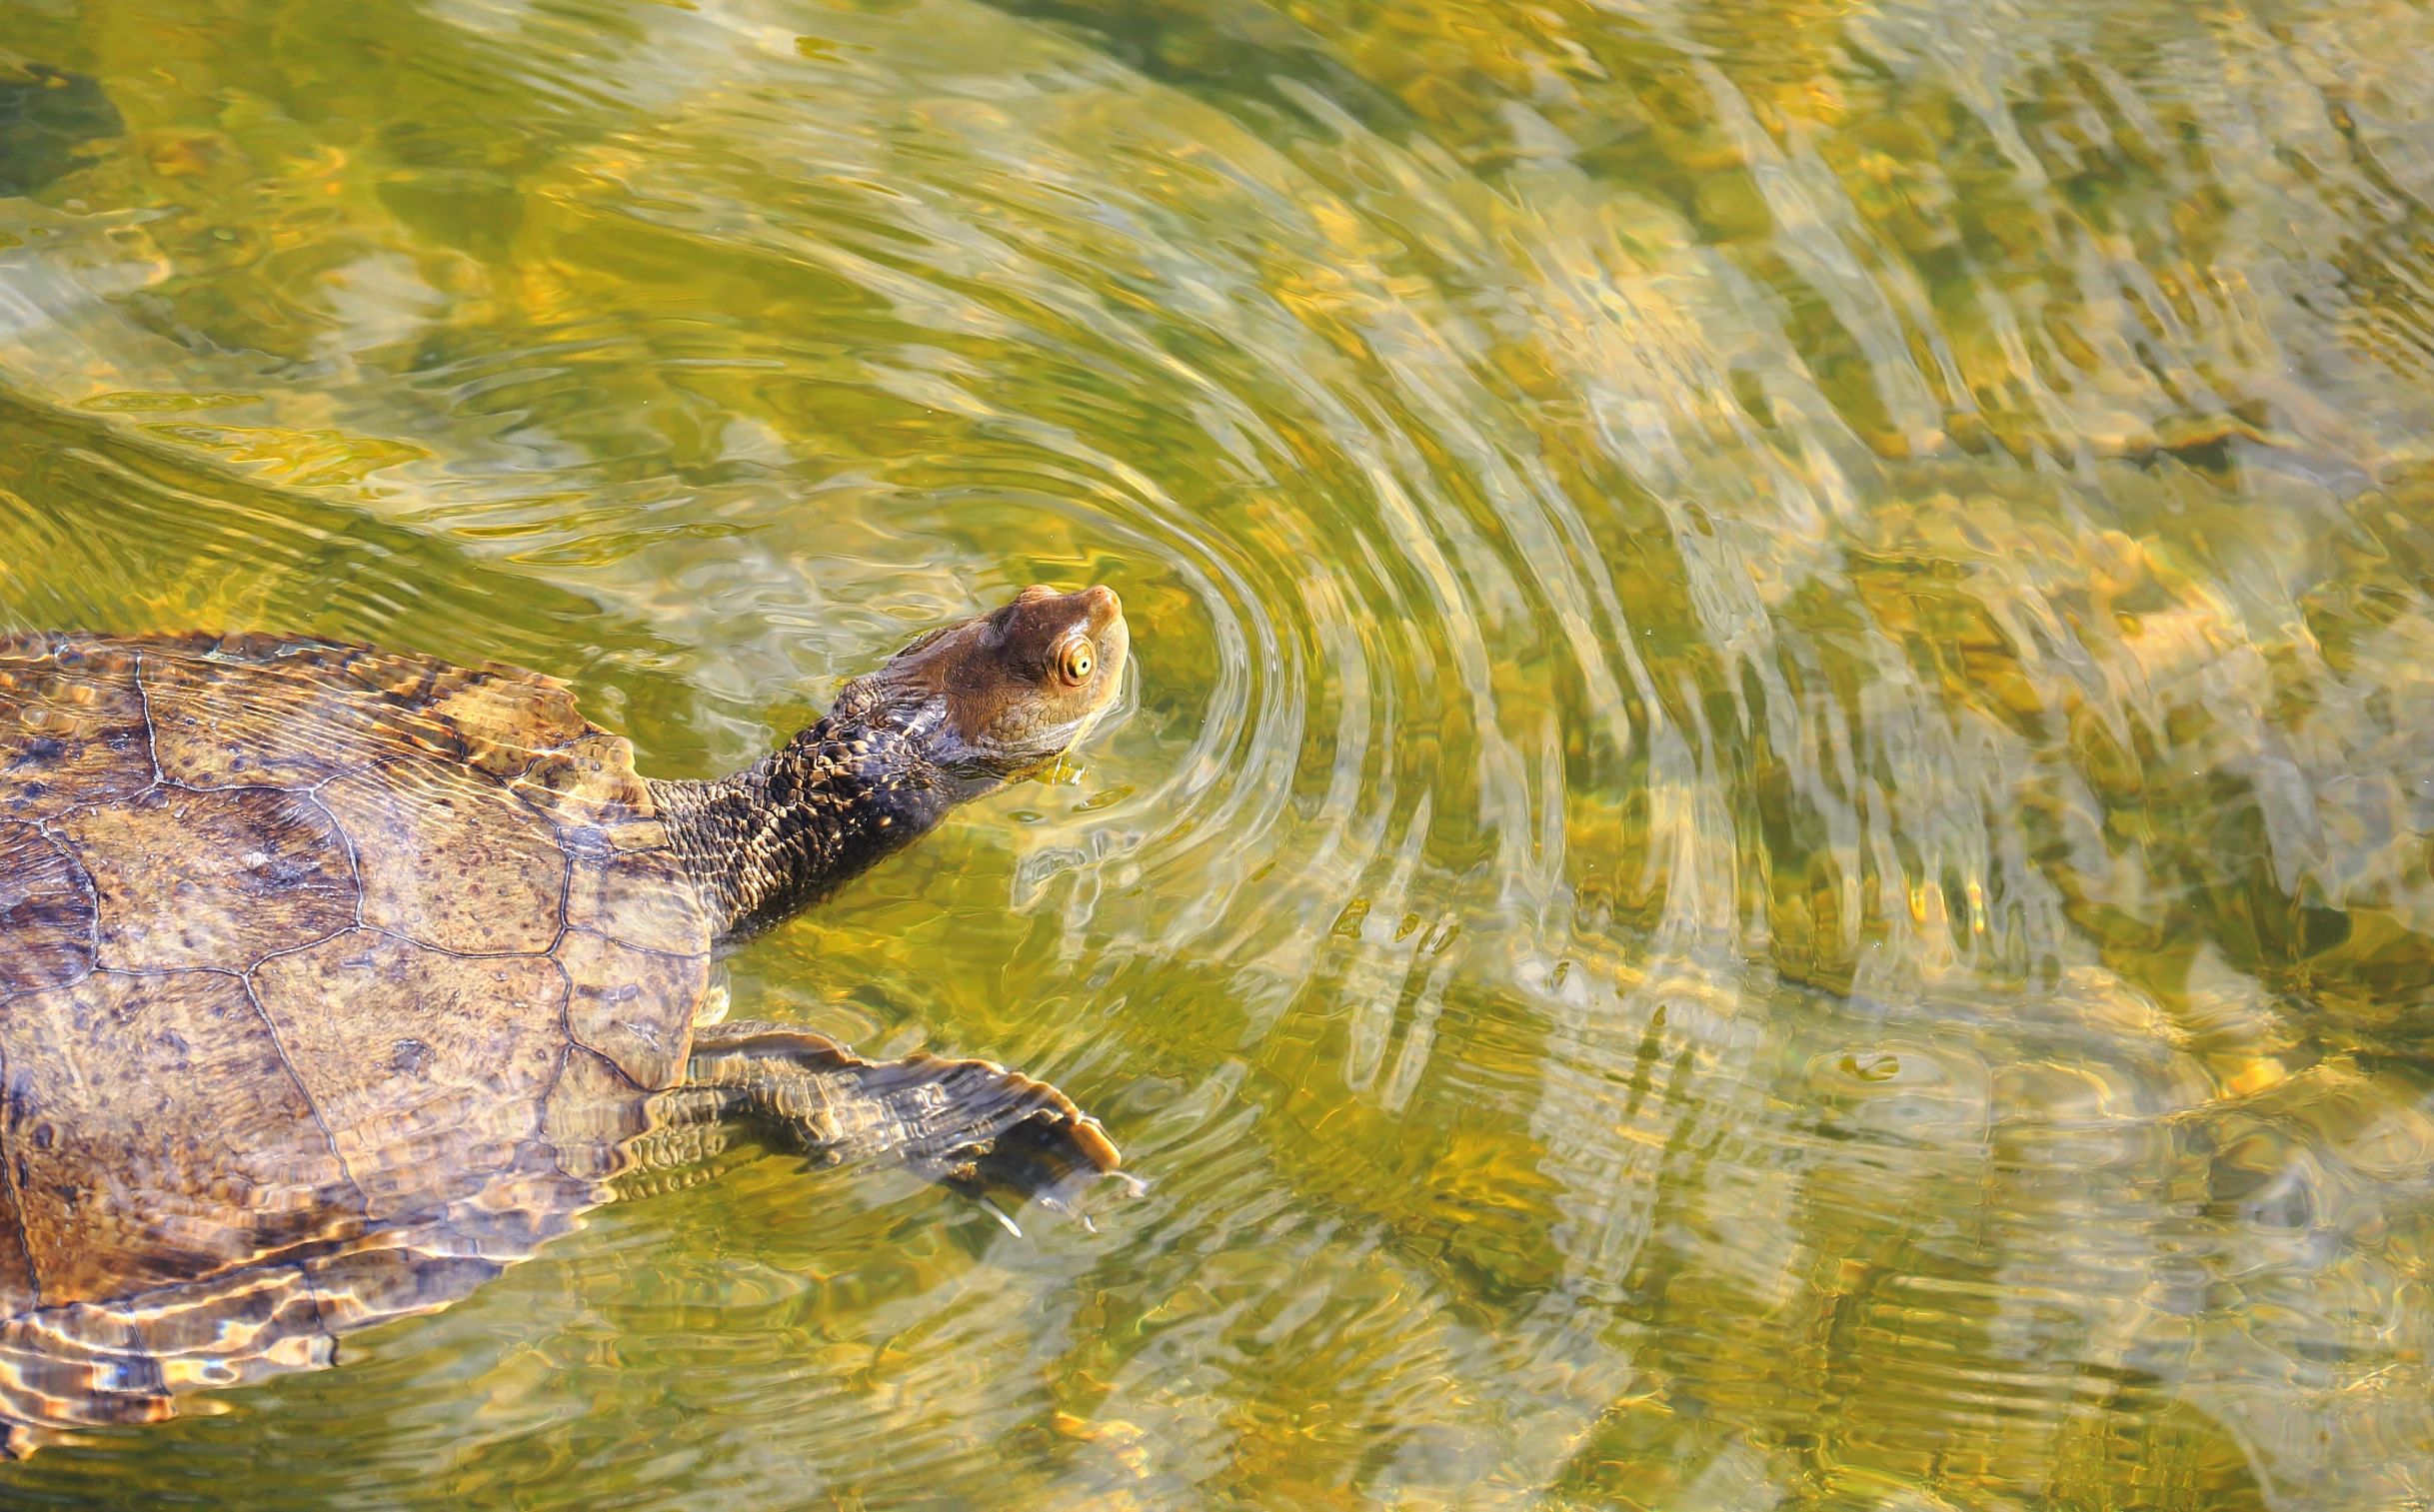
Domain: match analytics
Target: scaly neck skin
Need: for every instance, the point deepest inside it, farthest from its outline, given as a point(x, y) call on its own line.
point(792, 826)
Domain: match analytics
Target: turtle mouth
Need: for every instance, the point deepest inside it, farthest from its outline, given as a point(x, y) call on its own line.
point(1050, 753)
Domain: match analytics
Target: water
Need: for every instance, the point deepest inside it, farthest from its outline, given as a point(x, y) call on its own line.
point(1771, 843)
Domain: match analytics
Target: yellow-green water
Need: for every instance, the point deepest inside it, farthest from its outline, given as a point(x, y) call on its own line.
point(1771, 846)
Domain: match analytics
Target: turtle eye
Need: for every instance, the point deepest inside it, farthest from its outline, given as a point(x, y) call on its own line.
point(1074, 662)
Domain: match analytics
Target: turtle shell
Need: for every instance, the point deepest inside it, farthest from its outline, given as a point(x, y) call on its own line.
point(332, 979)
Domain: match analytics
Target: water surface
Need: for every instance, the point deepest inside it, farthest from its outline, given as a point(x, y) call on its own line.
point(1770, 846)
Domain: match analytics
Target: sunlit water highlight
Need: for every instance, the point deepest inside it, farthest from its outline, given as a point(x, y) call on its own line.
point(1771, 842)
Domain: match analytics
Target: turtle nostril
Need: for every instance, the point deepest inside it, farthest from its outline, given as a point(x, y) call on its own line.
point(1103, 604)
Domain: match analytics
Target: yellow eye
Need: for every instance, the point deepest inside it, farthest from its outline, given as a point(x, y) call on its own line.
point(1075, 666)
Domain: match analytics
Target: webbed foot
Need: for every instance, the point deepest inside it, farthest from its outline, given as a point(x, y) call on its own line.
point(971, 1125)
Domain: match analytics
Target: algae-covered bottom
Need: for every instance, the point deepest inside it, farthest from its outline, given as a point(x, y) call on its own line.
point(1770, 843)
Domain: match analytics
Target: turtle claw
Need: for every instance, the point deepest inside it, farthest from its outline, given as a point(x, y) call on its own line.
point(1043, 1159)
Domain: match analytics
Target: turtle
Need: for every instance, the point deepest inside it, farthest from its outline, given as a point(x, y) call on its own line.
point(335, 979)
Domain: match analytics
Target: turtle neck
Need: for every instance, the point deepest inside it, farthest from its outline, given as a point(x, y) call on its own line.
point(789, 829)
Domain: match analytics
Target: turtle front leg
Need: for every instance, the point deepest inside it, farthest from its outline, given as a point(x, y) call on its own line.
point(969, 1124)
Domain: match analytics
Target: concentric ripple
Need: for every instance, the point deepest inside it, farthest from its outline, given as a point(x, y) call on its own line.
point(1769, 841)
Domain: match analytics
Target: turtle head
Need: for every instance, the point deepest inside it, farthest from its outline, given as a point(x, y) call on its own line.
point(951, 716)
point(993, 697)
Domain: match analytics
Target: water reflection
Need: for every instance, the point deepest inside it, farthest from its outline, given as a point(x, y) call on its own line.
point(1771, 844)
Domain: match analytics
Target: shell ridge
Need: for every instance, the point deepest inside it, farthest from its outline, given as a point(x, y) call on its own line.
point(635, 1013)
point(565, 857)
point(576, 1042)
point(355, 863)
point(267, 956)
point(253, 999)
point(152, 734)
point(451, 952)
point(574, 1037)
point(566, 1016)
point(600, 1193)
point(92, 896)
point(565, 1008)
point(155, 974)
point(406, 766)
point(566, 997)
point(622, 943)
